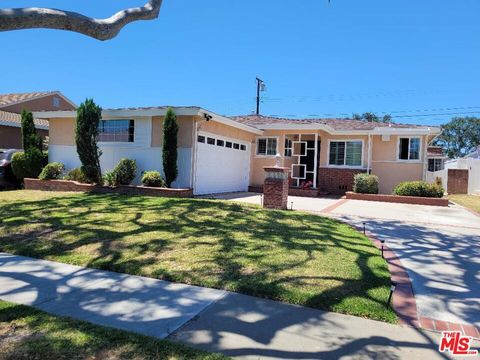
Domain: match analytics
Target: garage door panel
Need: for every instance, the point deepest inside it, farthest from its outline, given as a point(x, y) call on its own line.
point(221, 169)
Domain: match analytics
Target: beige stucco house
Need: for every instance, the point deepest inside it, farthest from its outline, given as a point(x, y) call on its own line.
point(11, 106)
point(224, 154)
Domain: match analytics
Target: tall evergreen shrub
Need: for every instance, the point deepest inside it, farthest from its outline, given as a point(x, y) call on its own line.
point(30, 138)
point(170, 133)
point(86, 131)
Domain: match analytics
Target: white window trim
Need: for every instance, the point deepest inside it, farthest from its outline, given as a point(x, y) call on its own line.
point(346, 166)
point(287, 148)
point(304, 171)
point(299, 142)
point(420, 150)
point(256, 146)
point(442, 159)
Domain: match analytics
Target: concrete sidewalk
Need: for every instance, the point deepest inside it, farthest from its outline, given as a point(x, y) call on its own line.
point(237, 325)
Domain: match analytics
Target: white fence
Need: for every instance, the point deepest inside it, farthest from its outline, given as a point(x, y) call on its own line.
point(473, 166)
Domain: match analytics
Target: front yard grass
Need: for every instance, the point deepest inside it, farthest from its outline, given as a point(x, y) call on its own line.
point(27, 333)
point(289, 256)
point(469, 201)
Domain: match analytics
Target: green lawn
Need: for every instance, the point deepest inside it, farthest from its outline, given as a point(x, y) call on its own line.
point(469, 201)
point(26, 333)
point(283, 255)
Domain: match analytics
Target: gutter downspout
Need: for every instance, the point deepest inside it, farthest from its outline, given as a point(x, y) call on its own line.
point(195, 154)
point(369, 161)
point(425, 149)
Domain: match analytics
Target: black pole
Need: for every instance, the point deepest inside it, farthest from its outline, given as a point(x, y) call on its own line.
point(258, 96)
point(393, 286)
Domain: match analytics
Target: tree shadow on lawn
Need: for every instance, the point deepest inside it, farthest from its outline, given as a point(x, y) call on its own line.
point(288, 256)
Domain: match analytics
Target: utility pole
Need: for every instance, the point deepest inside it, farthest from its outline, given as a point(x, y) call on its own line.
point(260, 87)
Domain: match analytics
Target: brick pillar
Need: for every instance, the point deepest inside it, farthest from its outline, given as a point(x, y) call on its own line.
point(275, 187)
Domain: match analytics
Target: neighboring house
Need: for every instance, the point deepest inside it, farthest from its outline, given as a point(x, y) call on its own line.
point(470, 162)
point(11, 106)
point(222, 154)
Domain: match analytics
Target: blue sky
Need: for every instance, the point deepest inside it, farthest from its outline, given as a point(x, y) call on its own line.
point(405, 57)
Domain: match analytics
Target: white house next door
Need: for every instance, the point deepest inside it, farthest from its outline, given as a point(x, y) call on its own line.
point(222, 165)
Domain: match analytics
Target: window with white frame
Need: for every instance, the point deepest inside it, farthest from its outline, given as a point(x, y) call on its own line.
point(288, 147)
point(346, 153)
point(267, 146)
point(436, 164)
point(116, 130)
point(409, 148)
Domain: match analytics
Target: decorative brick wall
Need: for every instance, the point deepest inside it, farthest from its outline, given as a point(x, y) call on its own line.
point(275, 188)
point(457, 181)
point(336, 180)
point(64, 185)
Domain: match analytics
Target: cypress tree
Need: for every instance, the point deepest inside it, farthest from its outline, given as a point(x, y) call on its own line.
point(30, 138)
point(170, 132)
point(86, 131)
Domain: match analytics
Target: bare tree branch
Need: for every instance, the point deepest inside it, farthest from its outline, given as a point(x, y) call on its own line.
point(101, 29)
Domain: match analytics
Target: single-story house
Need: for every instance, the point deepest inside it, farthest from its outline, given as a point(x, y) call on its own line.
point(224, 154)
point(11, 106)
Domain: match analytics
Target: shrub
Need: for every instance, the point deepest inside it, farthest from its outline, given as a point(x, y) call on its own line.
point(125, 171)
point(153, 178)
point(122, 174)
point(86, 132)
point(110, 178)
point(19, 165)
point(76, 175)
point(418, 188)
point(365, 184)
point(28, 164)
point(169, 153)
point(52, 171)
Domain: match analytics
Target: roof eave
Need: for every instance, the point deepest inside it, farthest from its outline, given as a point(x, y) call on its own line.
point(375, 131)
point(19, 125)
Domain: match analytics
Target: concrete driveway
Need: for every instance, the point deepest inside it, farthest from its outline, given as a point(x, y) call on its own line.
point(439, 247)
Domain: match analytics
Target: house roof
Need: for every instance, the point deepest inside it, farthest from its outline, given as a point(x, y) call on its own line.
point(16, 98)
point(15, 120)
point(154, 111)
point(333, 124)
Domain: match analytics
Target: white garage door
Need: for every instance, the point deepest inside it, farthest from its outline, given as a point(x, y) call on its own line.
point(223, 165)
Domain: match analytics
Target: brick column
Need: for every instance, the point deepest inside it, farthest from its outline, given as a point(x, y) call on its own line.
point(275, 187)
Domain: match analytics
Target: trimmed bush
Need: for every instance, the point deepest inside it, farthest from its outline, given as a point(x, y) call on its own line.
point(365, 184)
point(153, 178)
point(52, 171)
point(123, 174)
point(28, 164)
point(418, 188)
point(76, 175)
point(125, 171)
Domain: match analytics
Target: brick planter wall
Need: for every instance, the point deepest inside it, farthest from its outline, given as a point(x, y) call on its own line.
point(65, 185)
point(303, 192)
point(415, 200)
point(457, 181)
point(335, 180)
